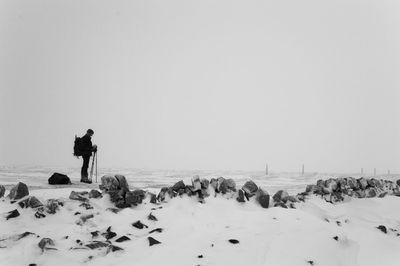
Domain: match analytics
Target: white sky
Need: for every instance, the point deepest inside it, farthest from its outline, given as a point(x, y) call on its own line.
point(202, 84)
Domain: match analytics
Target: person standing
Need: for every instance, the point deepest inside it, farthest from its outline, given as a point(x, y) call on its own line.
point(86, 149)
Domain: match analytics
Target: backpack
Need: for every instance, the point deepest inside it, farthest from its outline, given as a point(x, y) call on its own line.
point(77, 146)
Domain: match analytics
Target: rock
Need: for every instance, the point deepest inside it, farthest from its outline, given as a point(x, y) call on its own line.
point(95, 194)
point(178, 186)
point(86, 205)
point(352, 183)
point(151, 217)
point(250, 188)
point(39, 213)
point(45, 243)
point(12, 214)
point(109, 234)
point(19, 191)
point(153, 241)
point(162, 194)
point(30, 202)
point(109, 183)
point(81, 196)
point(280, 204)
point(172, 193)
point(196, 184)
point(95, 233)
point(241, 196)
point(383, 194)
point(311, 188)
point(398, 182)
point(113, 210)
point(363, 183)
point(97, 244)
point(117, 196)
point(2, 191)
point(112, 248)
point(262, 197)
point(234, 241)
point(292, 199)
point(360, 194)
point(226, 185)
point(86, 217)
point(281, 196)
point(370, 192)
point(158, 230)
point(153, 198)
point(204, 183)
point(200, 256)
point(123, 184)
point(336, 238)
point(135, 197)
point(382, 228)
point(52, 205)
point(213, 184)
point(336, 197)
point(139, 225)
point(59, 179)
point(331, 185)
point(122, 239)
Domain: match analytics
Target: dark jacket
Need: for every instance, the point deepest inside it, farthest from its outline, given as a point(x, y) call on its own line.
point(87, 146)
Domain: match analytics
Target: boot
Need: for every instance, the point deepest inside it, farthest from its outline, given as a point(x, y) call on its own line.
point(85, 179)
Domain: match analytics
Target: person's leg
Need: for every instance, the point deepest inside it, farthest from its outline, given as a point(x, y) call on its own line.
point(85, 166)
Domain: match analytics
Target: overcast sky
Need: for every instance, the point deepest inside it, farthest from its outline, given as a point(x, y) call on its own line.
point(204, 84)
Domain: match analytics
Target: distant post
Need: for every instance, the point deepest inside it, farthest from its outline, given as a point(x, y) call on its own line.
point(266, 169)
point(302, 169)
point(374, 171)
point(362, 171)
point(388, 171)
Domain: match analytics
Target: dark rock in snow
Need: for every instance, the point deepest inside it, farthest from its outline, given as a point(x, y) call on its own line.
point(204, 183)
point(135, 197)
point(262, 197)
point(109, 183)
point(39, 213)
point(162, 194)
point(81, 196)
point(52, 205)
point(95, 233)
point(109, 234)
point(250, 188)
point(336, 238)
point(45, 243)
point(280, 204)
point(86, 217)
point(370, 192)
point(19, 191)
point(151, 217)
point(234, 241)
point(241, 196)
point(153, 198)
point(59, 179)
point(112, 248)
point(310, 262)
point(200, 256)
point(382, 228)
point(196, 183)
point(158, 230)
point(139, 225)
point(25, 234)
point(86, 205)
point(281, 195)
point(114, 210)
point(95, 194)
point(362, 183)
point(30, 202)
point(122, 239)
point(2, 191)
point(97, 244)
point(123, 184)
point(226, 185)
point(12, 214)
point(179, 185)
point(153, 241)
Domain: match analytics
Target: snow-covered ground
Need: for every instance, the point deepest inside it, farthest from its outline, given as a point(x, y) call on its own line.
point(194, 233)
